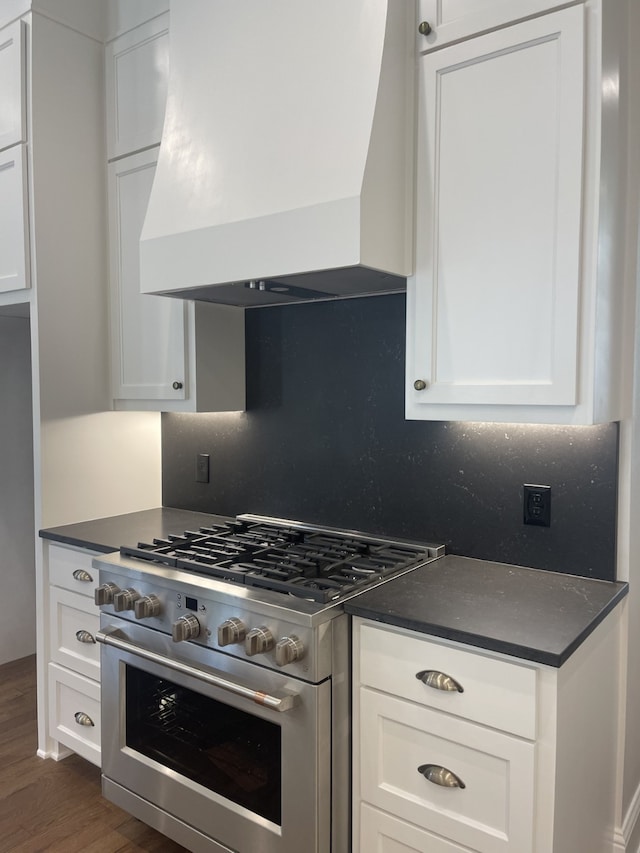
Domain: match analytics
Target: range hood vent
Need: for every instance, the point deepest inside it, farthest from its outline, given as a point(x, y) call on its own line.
point(285, 170)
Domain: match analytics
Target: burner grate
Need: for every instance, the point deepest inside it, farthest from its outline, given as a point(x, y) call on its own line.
point(319, 565)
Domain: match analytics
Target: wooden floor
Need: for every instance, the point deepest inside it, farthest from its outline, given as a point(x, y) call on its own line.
point(55, 805)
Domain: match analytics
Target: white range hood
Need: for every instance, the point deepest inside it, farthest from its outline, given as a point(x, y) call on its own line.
point(286, 164)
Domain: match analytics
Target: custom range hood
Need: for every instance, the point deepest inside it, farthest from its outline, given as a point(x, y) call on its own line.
point(286, 165)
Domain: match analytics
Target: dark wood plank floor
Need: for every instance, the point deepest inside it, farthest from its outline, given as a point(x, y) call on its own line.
point(55, 805)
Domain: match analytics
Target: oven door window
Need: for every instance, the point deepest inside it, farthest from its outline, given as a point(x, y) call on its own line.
point(231, 752)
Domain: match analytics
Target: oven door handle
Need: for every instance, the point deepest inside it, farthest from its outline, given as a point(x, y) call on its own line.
point(110, 637)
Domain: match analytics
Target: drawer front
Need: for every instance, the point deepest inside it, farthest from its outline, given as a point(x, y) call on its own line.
point(496, 693)
point(492, 813)
point(70, 697)
point(384, 833)
point(71, 569)
point(74, 623)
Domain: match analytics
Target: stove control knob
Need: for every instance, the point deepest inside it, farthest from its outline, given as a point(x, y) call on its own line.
point(231, 631)
point(288, 650)
point(185, 628)
point(258, 641)
point(104, 594)
point(148, 605)
point(125, 599)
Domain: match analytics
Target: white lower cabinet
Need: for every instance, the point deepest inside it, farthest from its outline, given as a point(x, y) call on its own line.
point(74, 712)
point(383, 833)
point(515, 757)
point(491, 810)
point(74, 655)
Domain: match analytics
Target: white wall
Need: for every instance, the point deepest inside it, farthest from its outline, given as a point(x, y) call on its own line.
point(17, 576)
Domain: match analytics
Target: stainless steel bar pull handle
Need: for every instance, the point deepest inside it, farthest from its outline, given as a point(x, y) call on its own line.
point(277, 703)
point(439, 680)
point(440, 776)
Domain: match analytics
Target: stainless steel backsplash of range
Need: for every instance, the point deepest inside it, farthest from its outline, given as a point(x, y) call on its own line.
point(226, 680)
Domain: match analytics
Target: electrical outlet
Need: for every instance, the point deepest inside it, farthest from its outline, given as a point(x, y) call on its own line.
point(536, 505)
point(202, 468)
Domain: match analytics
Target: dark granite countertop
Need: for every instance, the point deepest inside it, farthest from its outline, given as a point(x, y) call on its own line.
point(108, 534)
point(529, 613)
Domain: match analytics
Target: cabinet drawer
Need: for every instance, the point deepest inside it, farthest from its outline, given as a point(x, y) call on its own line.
point(71, 568)
point(70, 697)
point(74, 622)
point(13, 124)
point(496, 693)
point(492, 813)
point(386, 834)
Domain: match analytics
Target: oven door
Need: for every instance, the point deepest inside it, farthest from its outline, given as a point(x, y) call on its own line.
point(219, 753)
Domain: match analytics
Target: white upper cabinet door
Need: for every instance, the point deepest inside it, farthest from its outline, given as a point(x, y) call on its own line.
point(452, 20)
point(493, 309)
point(14, 228)
point(137, 71)
point(148, 331)
point(13, 123)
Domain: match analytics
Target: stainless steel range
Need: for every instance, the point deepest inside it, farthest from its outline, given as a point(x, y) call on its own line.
point(225, 680)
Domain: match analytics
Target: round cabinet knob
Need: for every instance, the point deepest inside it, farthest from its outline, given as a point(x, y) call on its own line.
point(420, 385)
point(424, 28)
point(176, 385)
point(288, 650)
point(258, 641)
point(231, 631)
point(125, 599)
point(104, 593)
point(185, 628)
point(148, 605)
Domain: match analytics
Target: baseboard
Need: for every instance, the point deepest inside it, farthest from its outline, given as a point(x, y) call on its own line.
point(57, 754)
point(627, 837)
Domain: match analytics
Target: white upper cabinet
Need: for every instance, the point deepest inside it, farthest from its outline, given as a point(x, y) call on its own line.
point(137, 71)
point(451, 20)
point(503, 307)
point(148, 332)
point(14, 228)
point(166, 354)
point(13, 122)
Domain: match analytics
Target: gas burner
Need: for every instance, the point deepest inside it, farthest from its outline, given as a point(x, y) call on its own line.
point(307, 562)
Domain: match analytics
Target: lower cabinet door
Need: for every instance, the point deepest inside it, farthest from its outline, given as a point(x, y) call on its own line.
point(74, 712)
point(408, 754)
point(384, 833)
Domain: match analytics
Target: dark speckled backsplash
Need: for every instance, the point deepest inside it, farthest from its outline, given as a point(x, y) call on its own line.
point(324, 440)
